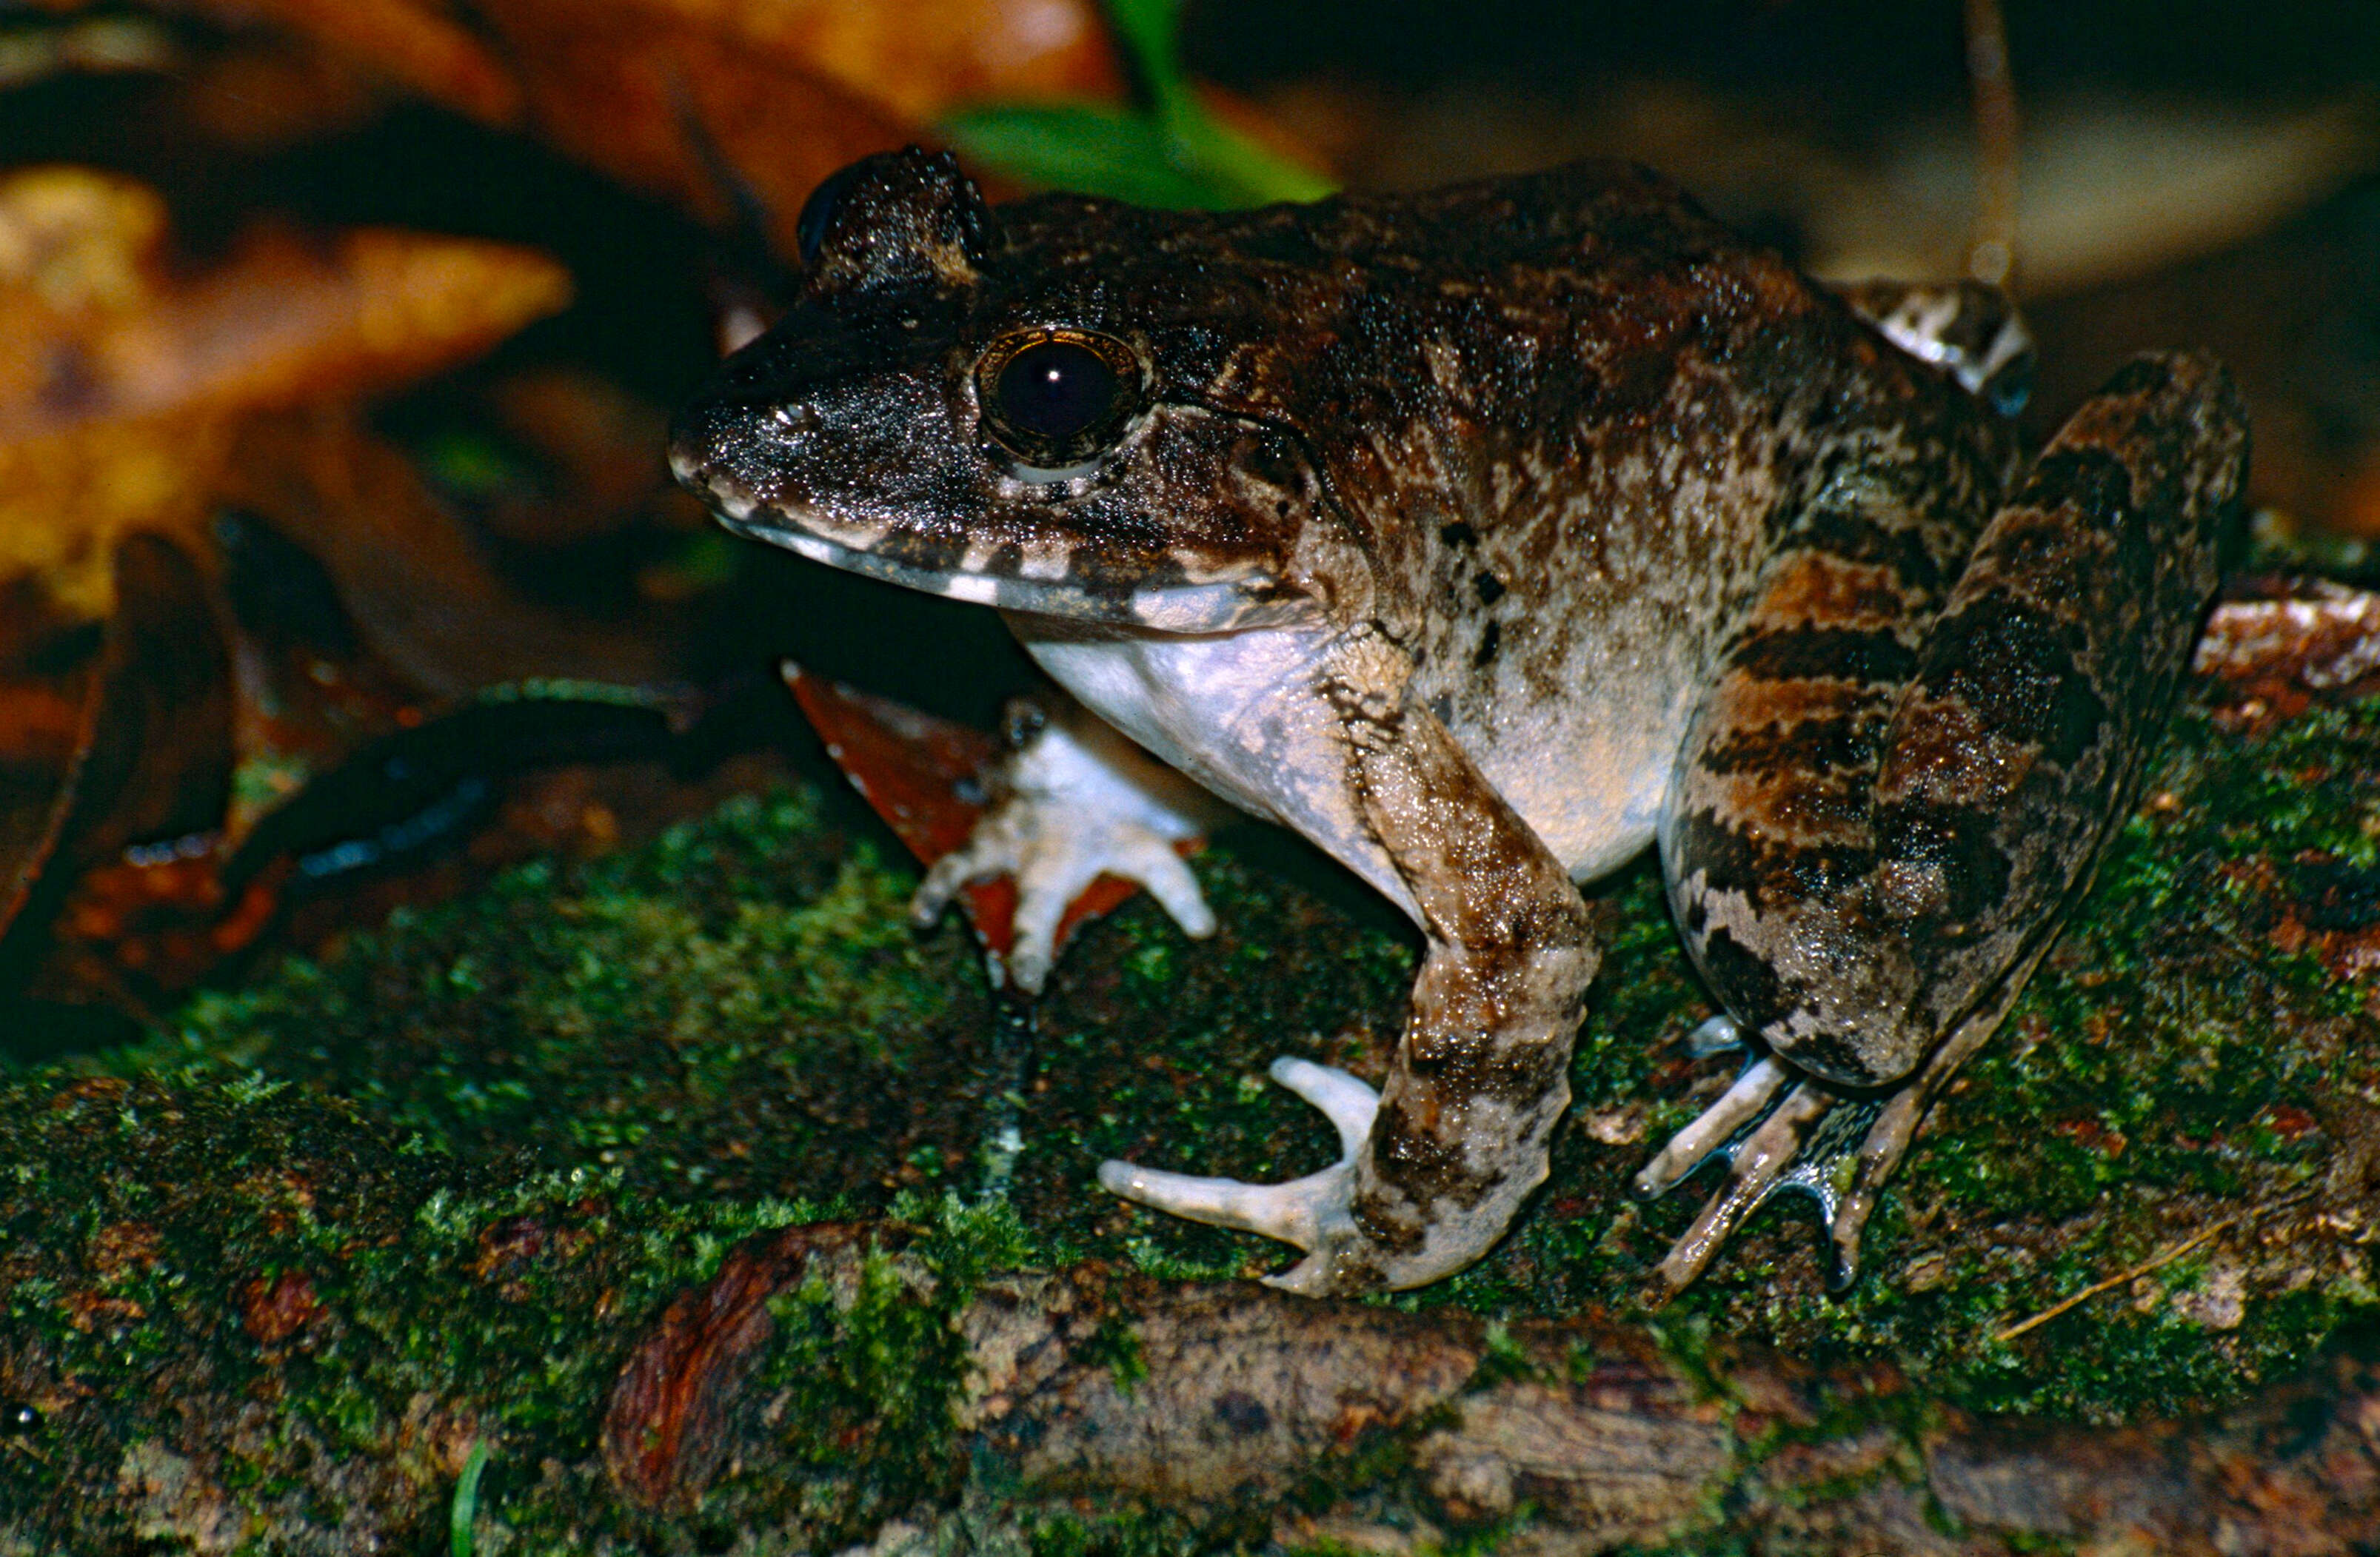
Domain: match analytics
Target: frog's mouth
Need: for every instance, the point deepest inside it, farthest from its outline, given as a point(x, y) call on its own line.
point(1165, 594)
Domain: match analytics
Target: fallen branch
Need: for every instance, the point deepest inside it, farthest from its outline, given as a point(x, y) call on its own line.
point(1586, 1438)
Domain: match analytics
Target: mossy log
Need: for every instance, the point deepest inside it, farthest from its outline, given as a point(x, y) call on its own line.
point(1308, 1423)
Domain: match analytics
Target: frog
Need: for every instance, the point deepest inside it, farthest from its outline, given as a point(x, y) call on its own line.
point(1486, 537)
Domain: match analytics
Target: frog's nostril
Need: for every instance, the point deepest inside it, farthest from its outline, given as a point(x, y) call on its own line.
point(702, 438)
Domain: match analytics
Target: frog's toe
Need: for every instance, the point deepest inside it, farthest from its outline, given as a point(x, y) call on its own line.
point(1301, 1211)
point(1813, 1142)
point(1053, 860)
point(1063, 869)
point(1157, 867)
point(1879, 1154)
point(1711, 1129)
point(1755, 1163)
point(1295, 1212)
point(974, 861)
point(1349, 1104)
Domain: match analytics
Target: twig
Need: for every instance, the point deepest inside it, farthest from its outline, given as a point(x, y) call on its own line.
point(1991, 257)
point(2165, 1257)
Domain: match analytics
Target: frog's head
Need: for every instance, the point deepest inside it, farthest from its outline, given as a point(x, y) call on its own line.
point(1012, 408)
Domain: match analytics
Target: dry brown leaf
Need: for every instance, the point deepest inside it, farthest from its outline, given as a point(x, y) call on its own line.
point(272, 91)
point(285, 321)
point(148, 756)
point(421, 47)
point(709, 103)
point(913, 60)
point(421, 596)
point(157, 762)
point(2270, 658)
point(42, 731)
point(686, 104)
point(119, 407)
point(920, 58)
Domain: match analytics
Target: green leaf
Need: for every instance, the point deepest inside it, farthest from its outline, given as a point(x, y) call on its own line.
point(466, 1506)
point(1176, 154)
point(1146, 29)
point(1191, 164)
point(1232, 162)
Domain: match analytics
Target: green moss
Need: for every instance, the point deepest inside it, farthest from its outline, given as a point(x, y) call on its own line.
point(1129, 1532)
point(1116, 1341)
point(1501, 1359)
point(861, 1377)
point(184, 1249)
point(738, 1010)
point(433, 1309)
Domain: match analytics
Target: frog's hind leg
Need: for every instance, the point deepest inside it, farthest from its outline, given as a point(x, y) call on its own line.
point(1436, 1165)
point(1901, 779)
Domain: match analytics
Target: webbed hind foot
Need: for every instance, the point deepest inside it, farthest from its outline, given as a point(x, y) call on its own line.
point(1774, 1140)
point(1840, 1150)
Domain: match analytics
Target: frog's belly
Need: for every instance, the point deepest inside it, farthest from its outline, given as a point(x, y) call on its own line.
point(1239, 712)
point(1577, 722)
point(1236, 711)
point(1589, 775)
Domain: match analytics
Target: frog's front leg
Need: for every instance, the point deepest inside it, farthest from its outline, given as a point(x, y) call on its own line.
point(1434, 1172)
point(1891, 794)
point(1071, 800)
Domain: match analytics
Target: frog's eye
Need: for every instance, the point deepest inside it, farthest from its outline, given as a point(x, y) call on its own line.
point(1058, 398)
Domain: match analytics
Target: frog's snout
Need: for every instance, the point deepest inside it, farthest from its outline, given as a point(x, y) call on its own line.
point(703, 436)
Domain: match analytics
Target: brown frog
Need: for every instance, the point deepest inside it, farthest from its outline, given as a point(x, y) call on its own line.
point(1485, 537)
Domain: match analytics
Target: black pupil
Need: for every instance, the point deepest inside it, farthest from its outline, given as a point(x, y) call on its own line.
point(1056, 390)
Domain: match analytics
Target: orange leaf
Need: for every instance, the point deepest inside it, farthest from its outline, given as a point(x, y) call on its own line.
point(918, 773)
point(713, 102)
point(413, 45)
point(688, 97)
point(920, 58)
